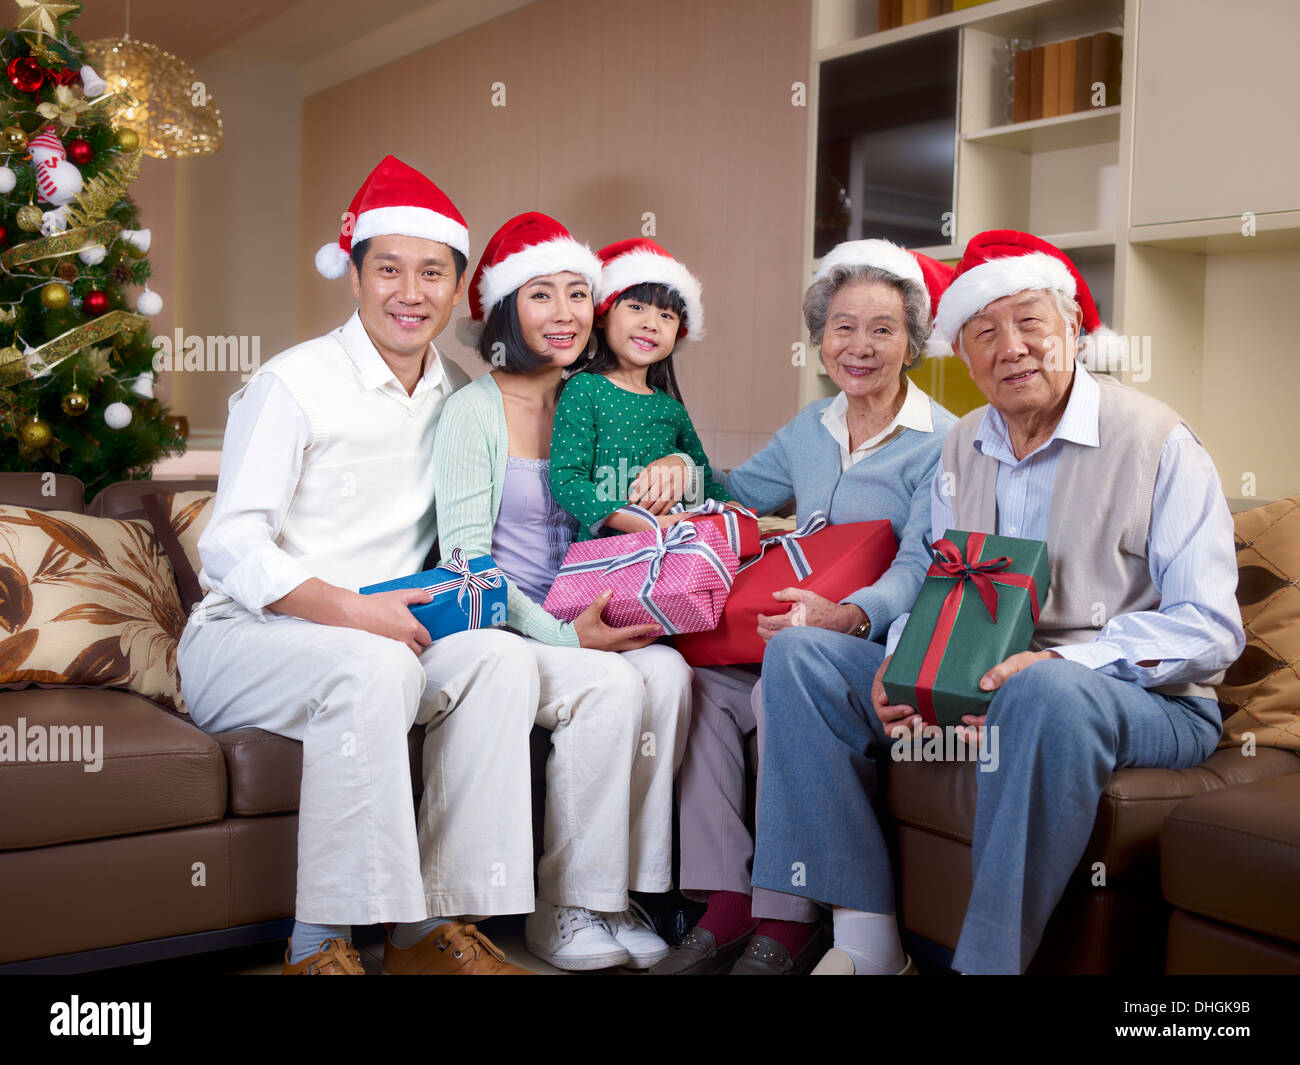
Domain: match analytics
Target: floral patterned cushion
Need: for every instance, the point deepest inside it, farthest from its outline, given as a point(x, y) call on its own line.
point(86, 601)
point(178, 520)
point(1260, 693)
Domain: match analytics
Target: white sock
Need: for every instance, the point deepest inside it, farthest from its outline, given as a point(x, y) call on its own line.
point(871, 940)
point(407, 934)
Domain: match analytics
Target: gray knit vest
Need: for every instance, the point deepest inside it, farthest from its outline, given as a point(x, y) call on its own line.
point(1099, 519)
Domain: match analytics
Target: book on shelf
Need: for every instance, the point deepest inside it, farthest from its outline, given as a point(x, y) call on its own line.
point(1052, 79)
point(1065, 94)
point(1036, 82)
point(1105, 66)
point(1082, 91)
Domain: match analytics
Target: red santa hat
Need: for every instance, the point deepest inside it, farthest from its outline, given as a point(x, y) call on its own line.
point(529, 245)
point(930, 274)
point(395, 199)
point(1002, 262)
point(641, 261)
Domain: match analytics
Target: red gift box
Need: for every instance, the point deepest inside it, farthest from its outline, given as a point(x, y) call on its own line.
point(738, 524)
point(831, 560)
point(677, 578)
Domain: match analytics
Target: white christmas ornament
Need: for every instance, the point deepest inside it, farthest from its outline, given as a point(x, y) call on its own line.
point(148, 302)
point(55, 221)
point(117, 415)
point(138, 238)
point(57, 180)
point(93, 254)
point(92, 82)
point(143, 386)
point(8, 179)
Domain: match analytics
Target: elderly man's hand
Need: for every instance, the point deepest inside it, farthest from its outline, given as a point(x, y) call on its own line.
point(809, 609)
point(997, 676)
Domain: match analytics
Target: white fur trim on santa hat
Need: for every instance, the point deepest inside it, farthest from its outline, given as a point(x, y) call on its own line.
point(882, 254)
point(411, 222)
point(1104, 350)
point(561, 255)
point(468, 331)
point(972, 291)
point(642, 267)
point(331, 261)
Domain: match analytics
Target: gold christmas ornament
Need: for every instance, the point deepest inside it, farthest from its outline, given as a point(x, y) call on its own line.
point(56, 296)
point(35, 434)
point(42, 16)
point(13, 366)
point(128, 139)
point(75, 403)
point(29, 218)
point(13, 139)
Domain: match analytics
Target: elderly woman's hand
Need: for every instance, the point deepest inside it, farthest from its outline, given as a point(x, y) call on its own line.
point(809, 609)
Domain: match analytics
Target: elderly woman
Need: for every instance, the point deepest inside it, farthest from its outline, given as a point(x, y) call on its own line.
point(868, 453)
point(609, 796)
point(1139, 622)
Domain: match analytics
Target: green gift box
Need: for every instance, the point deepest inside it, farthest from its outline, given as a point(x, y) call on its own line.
point(978, 605)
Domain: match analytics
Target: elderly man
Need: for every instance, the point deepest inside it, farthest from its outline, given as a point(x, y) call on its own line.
point(1140, 620)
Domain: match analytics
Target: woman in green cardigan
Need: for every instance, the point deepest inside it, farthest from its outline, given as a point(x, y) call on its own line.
point(619, 721)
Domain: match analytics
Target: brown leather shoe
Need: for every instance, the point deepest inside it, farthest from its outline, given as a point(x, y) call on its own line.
point(700, 955)
point(767, 957)
point(336, 957)
point(453, 949)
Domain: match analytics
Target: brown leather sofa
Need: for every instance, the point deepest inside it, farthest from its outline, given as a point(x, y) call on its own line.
point(187, 842)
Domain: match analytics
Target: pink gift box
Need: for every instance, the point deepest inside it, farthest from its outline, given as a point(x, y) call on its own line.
point(684, 572)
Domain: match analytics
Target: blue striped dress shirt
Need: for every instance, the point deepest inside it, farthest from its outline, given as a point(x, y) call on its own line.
point(1196, 630)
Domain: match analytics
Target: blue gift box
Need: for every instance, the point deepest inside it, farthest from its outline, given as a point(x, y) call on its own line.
point(466, 595)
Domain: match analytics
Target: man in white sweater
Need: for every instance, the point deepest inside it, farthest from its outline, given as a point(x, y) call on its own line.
point(327, 486)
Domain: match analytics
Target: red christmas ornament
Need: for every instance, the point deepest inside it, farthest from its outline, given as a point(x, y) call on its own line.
point(26, 74)
point(94, 303)
point(4, 235)
point(79, 151)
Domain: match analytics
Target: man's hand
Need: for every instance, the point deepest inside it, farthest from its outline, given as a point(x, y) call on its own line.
point(809, 609)
point(388, 614)
point(660, 485)
point(594, 634)
point(900, 721)
point(998, 675)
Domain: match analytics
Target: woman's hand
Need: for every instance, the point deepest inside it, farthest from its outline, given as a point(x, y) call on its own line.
point(660, 485)
point(899, 721)
point(809, 609)
point(388, 614)
point(594, 634)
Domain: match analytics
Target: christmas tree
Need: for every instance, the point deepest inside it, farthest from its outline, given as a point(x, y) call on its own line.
point(76, 356)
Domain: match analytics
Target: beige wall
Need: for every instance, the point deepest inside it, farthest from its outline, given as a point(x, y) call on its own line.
point(685, 112)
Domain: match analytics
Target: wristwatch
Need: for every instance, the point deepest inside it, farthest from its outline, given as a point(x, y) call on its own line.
point(862, 630)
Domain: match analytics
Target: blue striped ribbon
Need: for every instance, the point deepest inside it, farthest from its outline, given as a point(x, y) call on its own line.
point(790, 541)
point(467, 583)
point(680, 539)
point(729, 519)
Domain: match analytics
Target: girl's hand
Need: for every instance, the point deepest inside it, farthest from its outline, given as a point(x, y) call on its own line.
point(667, 521)
point(594, 634)
point(809, 609)
point(660, 485)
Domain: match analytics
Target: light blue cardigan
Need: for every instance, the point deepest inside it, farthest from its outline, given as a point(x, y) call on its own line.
point(802, 462)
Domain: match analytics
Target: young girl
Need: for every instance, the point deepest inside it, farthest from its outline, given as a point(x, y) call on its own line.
point(626, 410)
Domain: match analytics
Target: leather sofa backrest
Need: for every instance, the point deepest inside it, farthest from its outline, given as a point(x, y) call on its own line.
point(122, 500)
point(43, 491)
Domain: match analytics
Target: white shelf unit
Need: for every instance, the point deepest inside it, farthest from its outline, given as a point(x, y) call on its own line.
point(1176, 202)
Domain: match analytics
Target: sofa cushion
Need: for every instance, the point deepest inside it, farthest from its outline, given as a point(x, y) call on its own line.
point(939, 797)
point(1234, 856)
point(87, 601)
point(43, 491)
point(1260, 693)
point(156, 770)
point(178, 520)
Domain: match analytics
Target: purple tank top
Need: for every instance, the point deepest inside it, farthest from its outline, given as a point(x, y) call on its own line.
point(532, 533)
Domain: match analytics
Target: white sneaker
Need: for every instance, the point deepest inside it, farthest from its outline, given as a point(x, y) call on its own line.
point(570, 937)
point(634, 931)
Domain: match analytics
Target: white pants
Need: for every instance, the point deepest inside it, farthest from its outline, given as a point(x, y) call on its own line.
point(619, 724)
point(351, 697)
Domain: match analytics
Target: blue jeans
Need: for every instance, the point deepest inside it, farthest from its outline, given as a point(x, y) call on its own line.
point(1062, 730)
